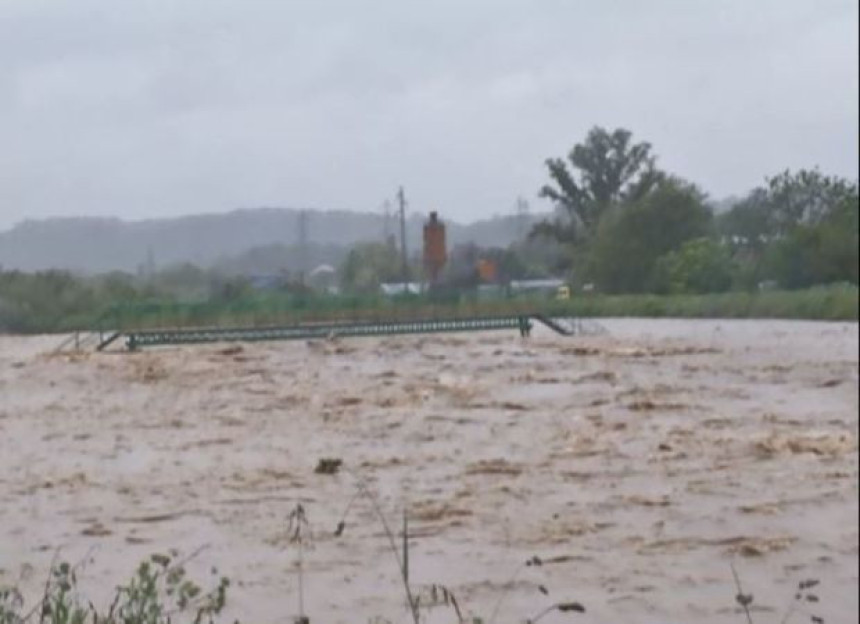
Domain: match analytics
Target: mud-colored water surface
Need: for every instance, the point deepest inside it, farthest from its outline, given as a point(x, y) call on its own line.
point(637, 465)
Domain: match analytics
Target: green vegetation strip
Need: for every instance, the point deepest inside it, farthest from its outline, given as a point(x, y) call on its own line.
point(830, 303)
point(827, 304)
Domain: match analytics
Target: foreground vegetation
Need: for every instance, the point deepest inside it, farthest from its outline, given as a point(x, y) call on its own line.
point(160, 592)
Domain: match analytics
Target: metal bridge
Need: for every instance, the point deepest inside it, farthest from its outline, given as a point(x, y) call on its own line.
point(136, 339)
point(140, 338)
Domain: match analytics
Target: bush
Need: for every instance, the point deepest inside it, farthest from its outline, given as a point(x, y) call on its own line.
point(631, 239)
point(160, 592)
point(700, 266)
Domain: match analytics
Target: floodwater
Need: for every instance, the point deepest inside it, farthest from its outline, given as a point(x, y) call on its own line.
point(638, 466)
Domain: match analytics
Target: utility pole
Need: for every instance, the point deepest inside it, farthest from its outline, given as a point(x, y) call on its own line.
point(401, 199)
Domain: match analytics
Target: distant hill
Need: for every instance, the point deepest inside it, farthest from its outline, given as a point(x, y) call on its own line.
point(249, 238)
point(274, 258)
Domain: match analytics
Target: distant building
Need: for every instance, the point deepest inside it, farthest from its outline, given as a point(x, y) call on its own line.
point(323, 277)
point(400, 288)
point(323, 269)
point(548, 286)
point(487, 271)
point(266, 282)
point(435, 249)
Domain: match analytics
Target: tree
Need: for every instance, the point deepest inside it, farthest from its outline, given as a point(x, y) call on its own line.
point(700, 265)
point(787, 201)
point(818, 253)
point(186, 281)
point(799, 229)
point(632, 237)
point(604, 170)
point(461, 271)
point(748, 225)
point(806, 198)
point(542, 258)
point(368, 265)
point(44, 300)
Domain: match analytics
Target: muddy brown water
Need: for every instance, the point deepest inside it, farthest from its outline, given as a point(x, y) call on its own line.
point(638, 465)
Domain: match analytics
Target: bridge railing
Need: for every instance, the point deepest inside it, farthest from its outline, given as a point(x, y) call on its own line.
point(261, 313)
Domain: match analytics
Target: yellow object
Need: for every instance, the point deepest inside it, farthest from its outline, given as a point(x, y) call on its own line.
point(563, 292)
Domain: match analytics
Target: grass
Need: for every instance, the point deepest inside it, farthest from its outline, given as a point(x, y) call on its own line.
point(838, 302)
point(834, 303)
point(804, 597)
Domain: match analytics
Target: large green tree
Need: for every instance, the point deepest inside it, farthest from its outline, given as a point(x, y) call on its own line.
point(807, 197)
point(788, 200)
point(632, 237)
point(700, 265)
point(748, 225)
point(606, 169)
point(818, 253)
point(799, 229)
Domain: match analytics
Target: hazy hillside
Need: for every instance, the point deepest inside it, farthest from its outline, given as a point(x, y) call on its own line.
point(276, 257)
point(98, 244)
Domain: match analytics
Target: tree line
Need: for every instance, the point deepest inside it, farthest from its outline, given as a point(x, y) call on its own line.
point(630, 227)
point(619, 224)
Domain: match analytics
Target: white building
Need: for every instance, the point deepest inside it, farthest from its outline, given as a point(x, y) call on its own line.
point(400, 288)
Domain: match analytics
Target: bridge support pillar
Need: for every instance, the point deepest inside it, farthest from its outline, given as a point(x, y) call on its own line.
point(525, 326)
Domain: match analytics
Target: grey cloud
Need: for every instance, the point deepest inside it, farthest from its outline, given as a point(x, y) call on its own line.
point(157, 108)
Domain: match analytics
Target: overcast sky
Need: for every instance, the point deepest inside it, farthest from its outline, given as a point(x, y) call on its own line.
point(159, 108)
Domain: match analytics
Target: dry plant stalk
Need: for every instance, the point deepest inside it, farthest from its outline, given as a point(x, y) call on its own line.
point(298, 529)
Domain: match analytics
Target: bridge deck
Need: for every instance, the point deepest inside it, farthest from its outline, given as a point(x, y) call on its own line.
point(195, 335)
